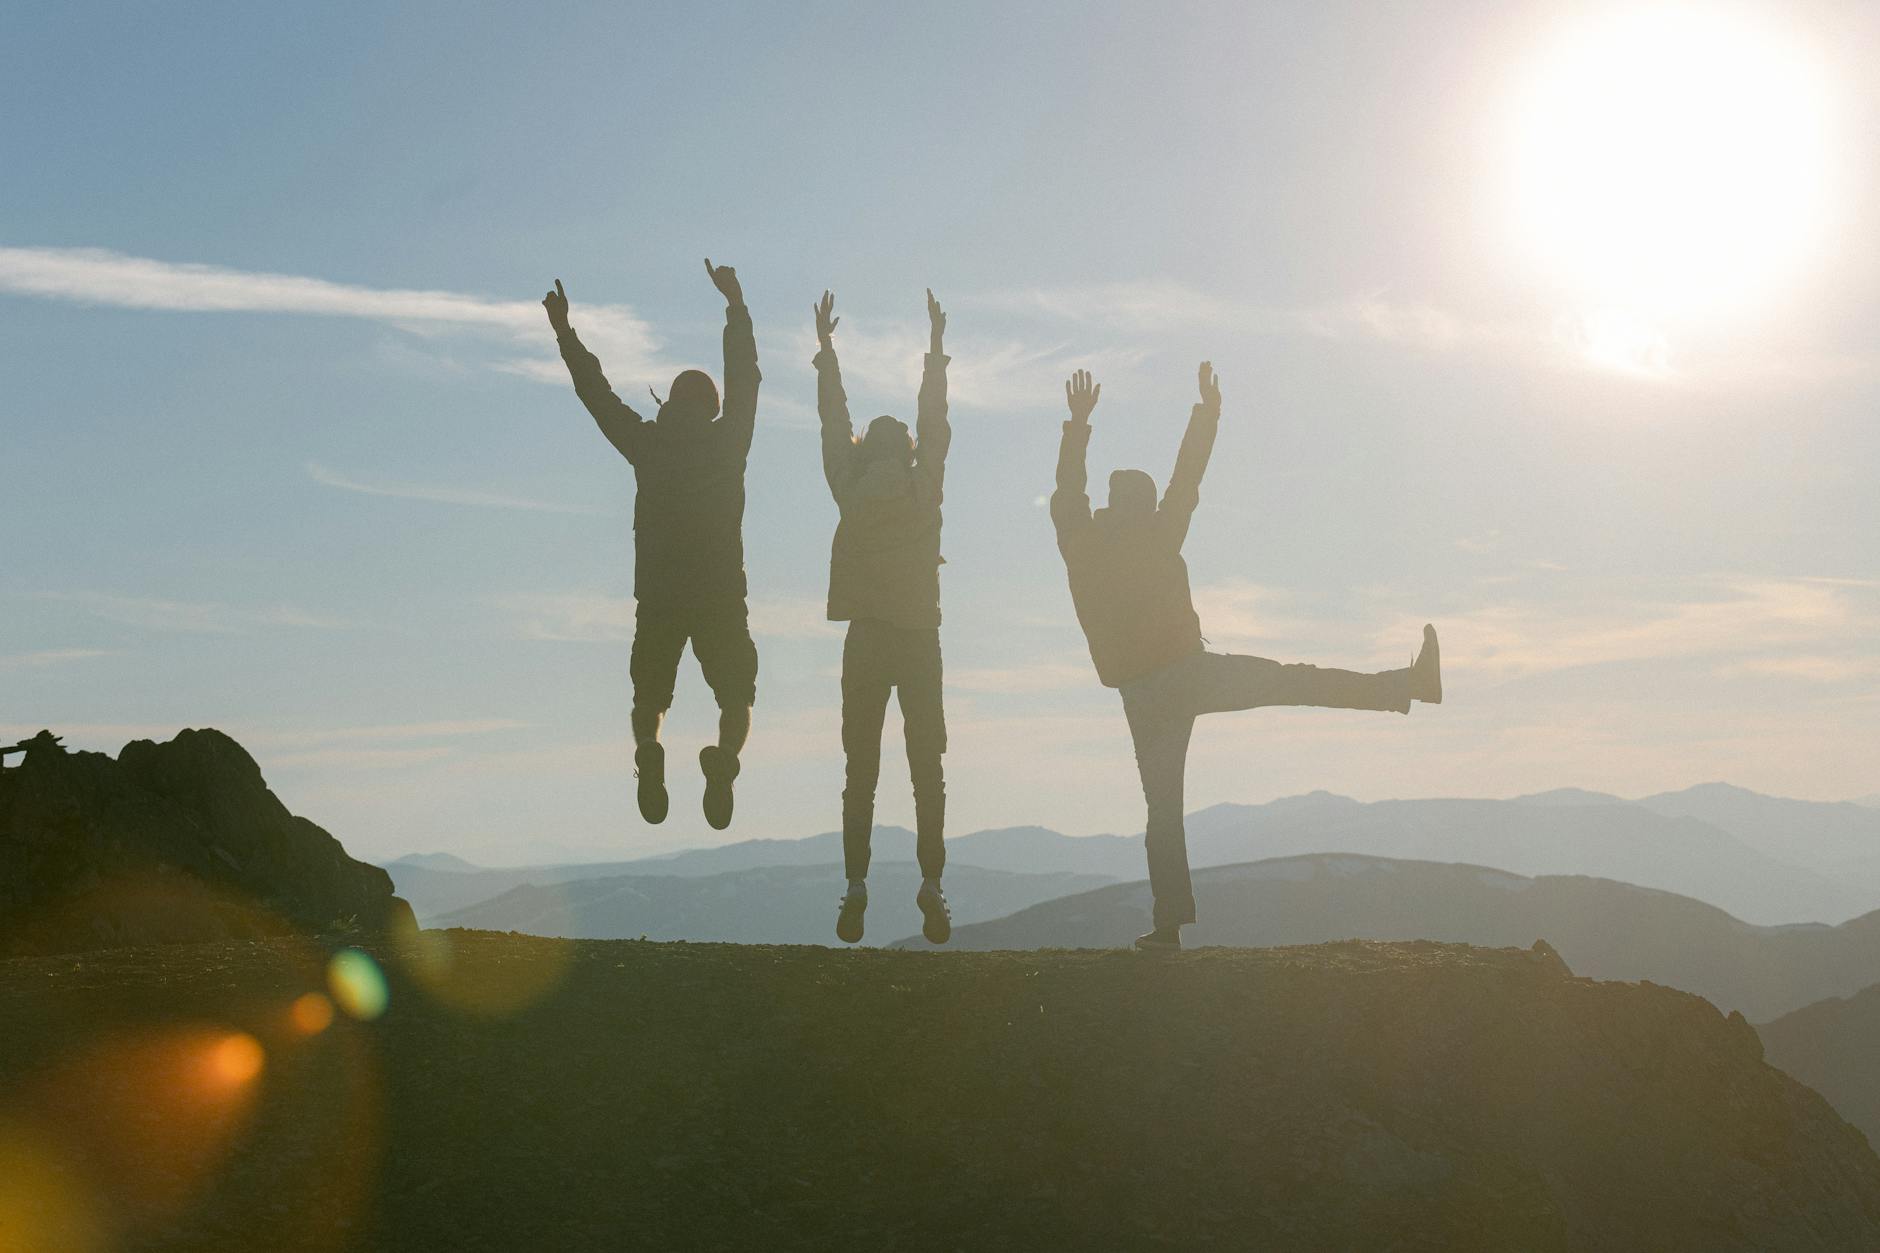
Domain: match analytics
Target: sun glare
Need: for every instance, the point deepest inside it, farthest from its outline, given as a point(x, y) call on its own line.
point(1671, 161)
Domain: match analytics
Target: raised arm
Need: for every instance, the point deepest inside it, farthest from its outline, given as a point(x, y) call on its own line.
point(832, 403)
point(617, 420)
point(741, 372)
point(1070, 503)
point(1191, 462)
point(932, 433)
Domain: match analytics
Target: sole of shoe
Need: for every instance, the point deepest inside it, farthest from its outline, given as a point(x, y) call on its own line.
point(936, 924)
point(1145, 945)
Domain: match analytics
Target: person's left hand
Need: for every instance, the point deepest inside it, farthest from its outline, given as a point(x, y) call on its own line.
point(936, 321)
point(1210, 386)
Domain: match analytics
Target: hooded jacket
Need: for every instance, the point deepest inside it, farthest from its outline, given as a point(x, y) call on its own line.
point(885, 560)
point(688, 507)
point(1128, 580)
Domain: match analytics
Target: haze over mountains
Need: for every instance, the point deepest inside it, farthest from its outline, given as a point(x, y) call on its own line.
point(1762, 859)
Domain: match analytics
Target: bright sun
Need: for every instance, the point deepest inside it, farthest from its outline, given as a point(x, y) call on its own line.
point(1670, 162)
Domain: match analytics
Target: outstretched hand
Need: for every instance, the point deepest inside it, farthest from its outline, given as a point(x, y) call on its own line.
point(936, 322)
point(1081, 394)
point(826, 320)
point(725, 279)
point(1210, 386)
point(556, 302)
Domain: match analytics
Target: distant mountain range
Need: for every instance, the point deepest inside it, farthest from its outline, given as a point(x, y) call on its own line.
point(760, 905)
point(1764, 859)
point(1601, 928)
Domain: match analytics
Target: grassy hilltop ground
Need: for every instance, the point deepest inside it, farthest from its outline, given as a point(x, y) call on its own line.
point(519, 1092)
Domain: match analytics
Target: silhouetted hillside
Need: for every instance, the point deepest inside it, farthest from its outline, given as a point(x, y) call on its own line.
point(1417, 1097)
point(1833, 1046)
point(1603, 929)
point(768, 905)
point(180, 841)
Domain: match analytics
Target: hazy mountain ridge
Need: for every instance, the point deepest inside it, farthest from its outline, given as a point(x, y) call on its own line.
point(1566, 831)
point(1833, 1046)
point(1602, 928)
point(762, 905)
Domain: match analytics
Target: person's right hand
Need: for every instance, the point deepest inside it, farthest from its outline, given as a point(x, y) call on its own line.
point(556, 302)
point(1210, 386)
point(1081, 394)
point(825, 319)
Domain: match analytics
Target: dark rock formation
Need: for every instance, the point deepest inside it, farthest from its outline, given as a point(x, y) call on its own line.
point(1352, 1096)
point(179, 841)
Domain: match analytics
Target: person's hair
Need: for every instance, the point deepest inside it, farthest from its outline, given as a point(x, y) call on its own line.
point(695, 394)
point(889, 438)
point(1132, 489)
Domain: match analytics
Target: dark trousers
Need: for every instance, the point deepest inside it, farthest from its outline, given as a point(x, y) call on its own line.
point(1162, 707)
point(878, 658)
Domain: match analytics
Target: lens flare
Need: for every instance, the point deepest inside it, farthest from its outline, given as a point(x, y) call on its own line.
point(489, 976)
point(235, 1060)
point(357, 984)
point(42, 1205)
point(311, 1014)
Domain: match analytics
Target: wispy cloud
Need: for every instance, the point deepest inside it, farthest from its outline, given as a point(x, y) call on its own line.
point(595, 617)
point(514, 332)
point(49, 657)
point(440, 494)
point(192, 617)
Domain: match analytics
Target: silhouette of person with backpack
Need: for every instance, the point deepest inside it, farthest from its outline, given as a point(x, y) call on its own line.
point(688, 537)
point(884, 581)
point(1129, 584)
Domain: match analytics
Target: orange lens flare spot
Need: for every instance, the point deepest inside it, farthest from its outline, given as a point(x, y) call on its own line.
point(311, 1014)
point(357, 984)
point(236, 1059)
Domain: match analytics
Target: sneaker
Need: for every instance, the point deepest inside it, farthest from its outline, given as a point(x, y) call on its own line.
point(849, 921)
point(720, 769)
point(936, 919)
point(1426, 672)
point(649, 766)
point(1161, 940)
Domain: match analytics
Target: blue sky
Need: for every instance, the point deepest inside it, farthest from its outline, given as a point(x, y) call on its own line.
point(287, 450)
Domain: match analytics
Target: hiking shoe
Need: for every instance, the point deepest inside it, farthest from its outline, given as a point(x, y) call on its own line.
point(1161, 940)
point(1426, 672)
point(936, 919)
point(849, 921)
point(720, 769)
point(649, 766)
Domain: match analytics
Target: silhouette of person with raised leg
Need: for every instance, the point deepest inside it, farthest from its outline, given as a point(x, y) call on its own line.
point(1129, 584)
point(688, 538)
point(884, 580)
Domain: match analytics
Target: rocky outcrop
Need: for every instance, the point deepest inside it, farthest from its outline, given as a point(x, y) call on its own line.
point(178, 841)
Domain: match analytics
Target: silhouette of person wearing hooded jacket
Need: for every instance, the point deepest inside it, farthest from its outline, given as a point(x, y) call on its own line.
point(884, 581)
point(1129, 584)
point(688, 537)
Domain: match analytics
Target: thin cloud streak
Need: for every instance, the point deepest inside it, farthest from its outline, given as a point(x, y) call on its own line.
point(191, 617)
point(98, 276)
point(51, 657)
point(442, 495)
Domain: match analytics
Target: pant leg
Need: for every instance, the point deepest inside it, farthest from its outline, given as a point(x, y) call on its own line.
point(923, 719)
point(1161, 731)
point(1220, 682)
point(727, 656)
point(659, 638)
point(866, 680)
